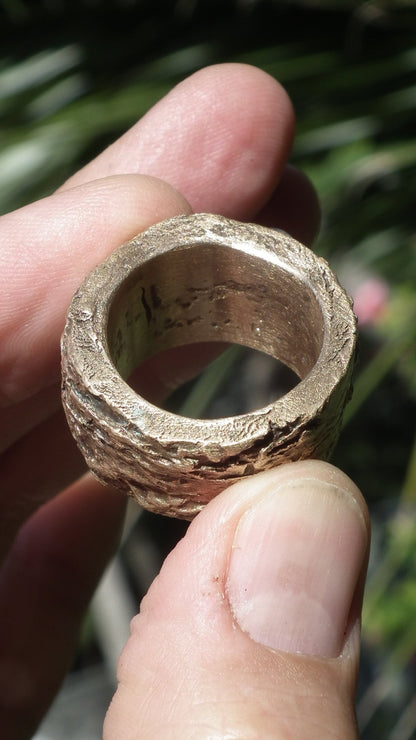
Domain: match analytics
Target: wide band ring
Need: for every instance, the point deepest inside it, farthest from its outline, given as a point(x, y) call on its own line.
point(192, 279)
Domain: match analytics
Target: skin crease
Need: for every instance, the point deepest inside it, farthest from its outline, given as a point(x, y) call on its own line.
point(228, 157)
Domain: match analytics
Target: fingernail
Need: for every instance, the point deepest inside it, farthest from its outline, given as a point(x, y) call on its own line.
point(296, 560)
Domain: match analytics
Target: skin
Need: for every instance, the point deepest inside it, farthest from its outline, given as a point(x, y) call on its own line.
point(229, 156)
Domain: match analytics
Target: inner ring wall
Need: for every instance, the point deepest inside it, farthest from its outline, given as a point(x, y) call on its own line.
point(214, 293)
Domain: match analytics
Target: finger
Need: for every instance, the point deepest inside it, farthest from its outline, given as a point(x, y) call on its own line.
point(221, 137)
point(47, 249)
point(33, 470)
point(21, 418)
point(259, 607)
point(45, 586)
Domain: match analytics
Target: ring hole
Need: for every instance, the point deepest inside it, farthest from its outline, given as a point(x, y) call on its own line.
point(207, 294)
point(239, 380)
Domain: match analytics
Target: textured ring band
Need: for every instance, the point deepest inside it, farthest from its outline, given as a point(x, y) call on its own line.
point(204, 278)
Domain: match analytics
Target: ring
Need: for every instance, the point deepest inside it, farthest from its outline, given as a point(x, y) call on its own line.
point(204, 278)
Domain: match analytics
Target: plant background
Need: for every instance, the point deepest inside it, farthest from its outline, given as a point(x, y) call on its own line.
point(73, 76)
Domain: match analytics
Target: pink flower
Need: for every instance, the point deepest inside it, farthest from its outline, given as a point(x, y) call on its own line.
point(370, 300)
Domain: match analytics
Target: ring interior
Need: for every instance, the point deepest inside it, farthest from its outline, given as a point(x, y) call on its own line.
point(214, 293)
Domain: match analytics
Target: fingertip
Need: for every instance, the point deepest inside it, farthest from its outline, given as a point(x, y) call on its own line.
point(235, 78)
point(251, 135)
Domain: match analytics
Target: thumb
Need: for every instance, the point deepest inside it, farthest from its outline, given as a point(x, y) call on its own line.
point(252, 628)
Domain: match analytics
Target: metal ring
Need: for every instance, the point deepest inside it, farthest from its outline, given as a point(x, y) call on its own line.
point(204, 278)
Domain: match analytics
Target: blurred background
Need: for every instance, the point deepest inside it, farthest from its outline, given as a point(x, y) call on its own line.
point(75, 75)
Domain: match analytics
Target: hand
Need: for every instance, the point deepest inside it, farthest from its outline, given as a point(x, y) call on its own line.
point(222, 139)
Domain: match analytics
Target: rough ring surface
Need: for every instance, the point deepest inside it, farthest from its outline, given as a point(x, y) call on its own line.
point(204, 278)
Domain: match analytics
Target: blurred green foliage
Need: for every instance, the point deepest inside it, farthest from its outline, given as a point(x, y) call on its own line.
point(74, 75)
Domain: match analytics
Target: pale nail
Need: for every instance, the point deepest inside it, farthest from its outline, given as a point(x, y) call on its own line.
point(296, 559)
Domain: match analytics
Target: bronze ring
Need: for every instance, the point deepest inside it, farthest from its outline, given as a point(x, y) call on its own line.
point(204, 278)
